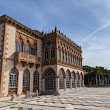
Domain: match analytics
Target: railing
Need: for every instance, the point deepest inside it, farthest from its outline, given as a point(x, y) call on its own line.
point(21, 56)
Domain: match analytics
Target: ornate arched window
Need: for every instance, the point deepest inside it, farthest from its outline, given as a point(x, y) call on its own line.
point(61, 79)
point(36, 78)
point(50, 79)
point(26, 78)
point(52, 53)
point(46, 54)
point(13, 78)
point(67, 79)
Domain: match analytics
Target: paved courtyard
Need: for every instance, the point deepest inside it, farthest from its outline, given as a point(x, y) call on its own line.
point(80, 99)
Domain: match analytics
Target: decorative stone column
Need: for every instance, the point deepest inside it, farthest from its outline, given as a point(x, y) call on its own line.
point(31, 82)
point(20, 82)
point(65, 83)
point(57, 84)
point(70, 83)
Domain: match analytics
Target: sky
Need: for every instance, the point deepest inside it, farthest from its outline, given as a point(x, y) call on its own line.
point(86, 22)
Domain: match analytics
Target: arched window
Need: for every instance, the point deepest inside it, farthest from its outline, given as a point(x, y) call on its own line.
point(61, 79)
point(72, 77)
point(13, 78)
point(52, 53)
point(77, 79)
point(26, 78)
point(66, 56)
point(67, 80)
point(59, 54)
point(50, 79)
point(46, 54)
point(26, 49)
point(36, 79)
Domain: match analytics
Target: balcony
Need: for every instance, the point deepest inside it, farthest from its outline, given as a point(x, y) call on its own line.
point(26, 58)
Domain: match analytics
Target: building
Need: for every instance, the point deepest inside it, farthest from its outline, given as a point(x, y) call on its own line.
point(33, 60)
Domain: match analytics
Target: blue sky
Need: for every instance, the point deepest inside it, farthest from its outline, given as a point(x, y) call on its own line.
point(77, 19)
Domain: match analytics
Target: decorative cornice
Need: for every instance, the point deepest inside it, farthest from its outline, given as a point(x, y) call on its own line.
point(7, 19)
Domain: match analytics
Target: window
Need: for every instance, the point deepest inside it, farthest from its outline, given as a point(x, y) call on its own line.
point(46, 54)
point(26, 78)
point(36, 79)
point(60, 54)
point(77, 79)
point(26, 49)
point(33, 51)
point(50, 80)
point(52, 53)
point(67, 80)
point(72, 77)
point(18, 47)
point(61, 80)
point(13, 79)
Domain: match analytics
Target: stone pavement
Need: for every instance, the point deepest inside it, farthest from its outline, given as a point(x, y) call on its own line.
point(80, 99)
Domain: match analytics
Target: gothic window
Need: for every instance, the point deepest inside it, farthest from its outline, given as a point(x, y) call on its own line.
point(59, 54)
point(26, 78)
point(13, 78)
point(52, 53)
point(50, 80)
point(18, 46)
point(61, 80)
point(36, 79)
point(46, 54)
point(67, 80)
point(26, 49)
point(33, 51)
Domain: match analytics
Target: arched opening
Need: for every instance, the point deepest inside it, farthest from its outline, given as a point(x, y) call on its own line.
point(49, 76)
point(73, 79)
point(68, 76)
point(26, 81)
point(81, 78)
point(61, 79)
point(36, 81)
point(77, 79)
point(13, 81)
point(52, 52)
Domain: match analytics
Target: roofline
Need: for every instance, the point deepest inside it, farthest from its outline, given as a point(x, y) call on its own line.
point(5, 18)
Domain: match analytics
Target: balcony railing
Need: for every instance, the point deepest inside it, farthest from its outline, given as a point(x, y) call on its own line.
point(28, 58)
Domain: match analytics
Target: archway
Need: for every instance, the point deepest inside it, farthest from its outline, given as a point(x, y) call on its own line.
point(73, 79)
point(26, 81)
point(68, 77)
point(49, 76)
point(13, 81)
point(61, 78)
point(77, 79)
point(36, 81)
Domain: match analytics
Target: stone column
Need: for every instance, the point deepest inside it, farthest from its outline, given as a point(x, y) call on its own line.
point(43, 85)
point(70, 83)
point(64, 83)
point(57, 84)
point(79, 83)
point(83, 82)
point(75, 83)
point(31, 82)
point(20, 82)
